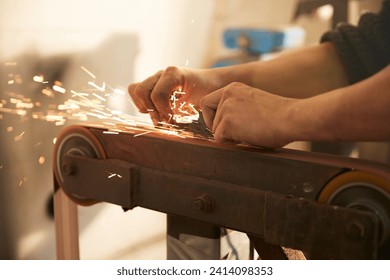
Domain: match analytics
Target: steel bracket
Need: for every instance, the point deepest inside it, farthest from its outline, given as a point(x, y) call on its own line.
point(321, 231)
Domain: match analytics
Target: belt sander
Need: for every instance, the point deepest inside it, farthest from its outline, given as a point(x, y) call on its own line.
point(328, 207)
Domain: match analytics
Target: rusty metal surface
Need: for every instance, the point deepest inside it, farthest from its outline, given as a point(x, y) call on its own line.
point(281, 220)
point(322, 231)
point(267, 194)
point(226, 163)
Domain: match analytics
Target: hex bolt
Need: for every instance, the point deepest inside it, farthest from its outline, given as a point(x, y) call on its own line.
point(68, 168)
point(203, 203)
point(355, 231)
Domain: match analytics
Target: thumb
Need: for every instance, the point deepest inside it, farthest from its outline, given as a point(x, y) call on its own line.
point(209, 105)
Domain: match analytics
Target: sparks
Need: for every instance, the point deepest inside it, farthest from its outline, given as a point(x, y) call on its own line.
point(116, 112)
point(193, 108)
point(59, 123)
point(111, 175)
point(47, 92)
point(110, 132)
point(102, 88)
point(54, 118)
point(68, 106)
point(24, 105)
point(179, 92)
point(88, 72)
point(59, 89)
point(143, 133)
point(82, 94)
point(19, 137)
point(99, 97)
point(21, 113)
point(89, 106)
point(38, 79)
point(182, 105)
point(22, 181)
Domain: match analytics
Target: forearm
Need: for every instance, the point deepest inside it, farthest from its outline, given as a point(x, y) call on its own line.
point(298, 74)
point(359, 112)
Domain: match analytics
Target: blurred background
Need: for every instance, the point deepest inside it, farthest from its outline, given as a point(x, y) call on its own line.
point(119, 42)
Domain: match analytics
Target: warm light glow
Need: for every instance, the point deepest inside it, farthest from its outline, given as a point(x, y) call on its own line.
point(41, 160)
point(59, 89)
point(325, 12)
point(38, 79)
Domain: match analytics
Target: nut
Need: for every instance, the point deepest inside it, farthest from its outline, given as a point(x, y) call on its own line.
point(203, 203)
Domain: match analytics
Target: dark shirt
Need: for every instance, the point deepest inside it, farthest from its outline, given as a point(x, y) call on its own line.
point(364, 49)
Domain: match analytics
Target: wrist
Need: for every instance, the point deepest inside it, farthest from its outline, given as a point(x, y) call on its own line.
point(308, 120)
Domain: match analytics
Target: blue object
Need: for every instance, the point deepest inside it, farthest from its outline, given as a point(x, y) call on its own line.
point(254, 40)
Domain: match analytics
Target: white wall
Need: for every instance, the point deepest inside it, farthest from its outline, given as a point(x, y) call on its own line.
point(169, 31)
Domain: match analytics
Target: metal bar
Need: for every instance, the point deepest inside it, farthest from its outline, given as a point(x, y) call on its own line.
point(66, 226)
point(265, 250)
point(321, 231)
point(282, 220)
point(237, 165)
point(189, 239)
point(267, 194)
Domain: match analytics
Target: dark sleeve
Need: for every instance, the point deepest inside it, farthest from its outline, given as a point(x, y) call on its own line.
point(363, 49)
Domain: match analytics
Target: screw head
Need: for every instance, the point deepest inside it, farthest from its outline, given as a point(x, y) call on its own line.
point(203, 203)
point(199, 204)
point(68, 168)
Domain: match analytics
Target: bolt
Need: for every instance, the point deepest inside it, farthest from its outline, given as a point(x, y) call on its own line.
point(355, 231)
point(68, 168)
point(203, 203)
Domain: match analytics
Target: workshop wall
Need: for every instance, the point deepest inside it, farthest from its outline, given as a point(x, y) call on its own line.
point(119, 41)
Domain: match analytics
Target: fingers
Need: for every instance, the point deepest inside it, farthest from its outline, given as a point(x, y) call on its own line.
point(153, 94)
point(140, 93)
point(218, 105)
point(220, 109)
point(209, 105)
point(170, 80)
point(137, 102)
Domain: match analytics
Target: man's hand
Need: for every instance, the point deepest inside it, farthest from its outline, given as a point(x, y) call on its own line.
point(153, 94)
point(239, 113)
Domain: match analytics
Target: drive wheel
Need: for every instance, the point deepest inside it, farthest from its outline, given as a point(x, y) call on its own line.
point(363, 191)
point(75, 140)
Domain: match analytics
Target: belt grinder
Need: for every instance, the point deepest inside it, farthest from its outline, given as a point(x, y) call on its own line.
point(329, 207)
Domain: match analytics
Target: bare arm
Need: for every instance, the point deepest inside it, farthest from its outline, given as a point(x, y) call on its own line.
point(299, 74)
point(302, 73)
point(359, 112)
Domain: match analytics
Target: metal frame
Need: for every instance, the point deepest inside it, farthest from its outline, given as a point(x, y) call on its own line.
point(272, 206)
